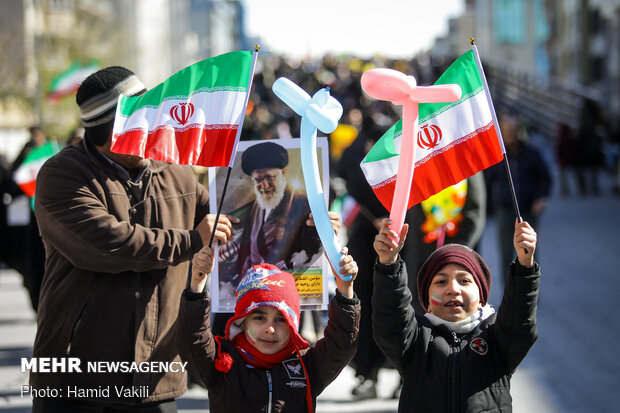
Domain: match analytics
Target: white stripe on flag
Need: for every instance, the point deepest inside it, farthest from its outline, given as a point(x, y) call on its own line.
point(215, 103)
point(28, 172)
point(460, 121)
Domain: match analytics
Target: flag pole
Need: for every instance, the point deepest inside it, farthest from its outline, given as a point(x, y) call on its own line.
point(245, 105)
point(497, 129)
point(219, 208)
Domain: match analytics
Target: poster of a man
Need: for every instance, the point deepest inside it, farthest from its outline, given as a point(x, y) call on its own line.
point(267, 194)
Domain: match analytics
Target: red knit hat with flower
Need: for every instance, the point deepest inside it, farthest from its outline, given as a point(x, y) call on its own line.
point(267, 285)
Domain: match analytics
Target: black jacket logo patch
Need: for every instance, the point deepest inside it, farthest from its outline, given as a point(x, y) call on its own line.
point(294, 369)
point(479, 345)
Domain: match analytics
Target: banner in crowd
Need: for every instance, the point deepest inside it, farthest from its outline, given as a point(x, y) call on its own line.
point(455, 140)
point(193, 118)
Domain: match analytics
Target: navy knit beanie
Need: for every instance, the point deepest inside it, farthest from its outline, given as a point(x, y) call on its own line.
point(97, 97)
point(454, 254)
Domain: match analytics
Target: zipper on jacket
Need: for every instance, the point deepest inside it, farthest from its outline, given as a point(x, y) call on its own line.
point(453, 390)
point(73, 330)
point(75, 327)
point(270, 382)
point(456, 339)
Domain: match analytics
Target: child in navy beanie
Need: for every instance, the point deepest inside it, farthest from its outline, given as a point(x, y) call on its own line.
point(460, 355)
point(263, 363)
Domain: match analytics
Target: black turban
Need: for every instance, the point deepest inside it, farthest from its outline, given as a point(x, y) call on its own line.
point(264, 155)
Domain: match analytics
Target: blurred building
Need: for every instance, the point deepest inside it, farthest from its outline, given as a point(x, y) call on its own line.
point(40, 39)
point(543, 57)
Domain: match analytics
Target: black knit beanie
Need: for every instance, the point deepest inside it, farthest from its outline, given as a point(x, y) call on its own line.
point(454, 254)
point(97, 97)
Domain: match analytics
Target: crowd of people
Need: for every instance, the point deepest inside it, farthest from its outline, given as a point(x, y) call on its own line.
point(122, 275)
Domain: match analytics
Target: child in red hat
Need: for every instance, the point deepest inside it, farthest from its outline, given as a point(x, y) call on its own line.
point(461, 354)
point(263, 364)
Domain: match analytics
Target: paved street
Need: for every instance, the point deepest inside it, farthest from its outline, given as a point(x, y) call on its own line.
point(572, 368)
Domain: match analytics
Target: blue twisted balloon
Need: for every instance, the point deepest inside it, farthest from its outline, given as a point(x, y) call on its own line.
point(322, 112)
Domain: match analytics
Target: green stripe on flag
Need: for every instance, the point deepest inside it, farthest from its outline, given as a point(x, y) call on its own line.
point(463, 72)
point(45, 151)
point(227, 72)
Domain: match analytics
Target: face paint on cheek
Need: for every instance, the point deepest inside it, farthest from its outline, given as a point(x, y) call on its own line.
point(473, 301)
point(436, 299)
point(251, 336)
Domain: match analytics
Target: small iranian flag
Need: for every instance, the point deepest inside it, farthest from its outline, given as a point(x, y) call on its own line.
point(455, 140)
point(25, 175)
point(68, 82)
point(193, 118)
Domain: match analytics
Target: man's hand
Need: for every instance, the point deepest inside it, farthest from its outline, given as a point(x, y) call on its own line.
point(334, 218)
point(202, 266)
point(524, 240)
point(223, 230)
point(385, 242)
point(349, 267)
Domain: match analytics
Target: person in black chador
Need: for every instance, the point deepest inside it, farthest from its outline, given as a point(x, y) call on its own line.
point(532, 183)
point(361, 234)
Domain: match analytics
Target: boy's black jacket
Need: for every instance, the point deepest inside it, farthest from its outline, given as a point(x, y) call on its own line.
point(448, 372)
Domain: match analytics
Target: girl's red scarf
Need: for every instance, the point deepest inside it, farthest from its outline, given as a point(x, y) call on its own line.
point(257, 359)
point(268, 361)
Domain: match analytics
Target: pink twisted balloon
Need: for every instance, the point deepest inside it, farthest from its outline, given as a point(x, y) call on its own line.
point(400, 89)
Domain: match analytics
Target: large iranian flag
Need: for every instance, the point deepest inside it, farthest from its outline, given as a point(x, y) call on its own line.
point(193, 118)
point(25, 175)
point(455, 140)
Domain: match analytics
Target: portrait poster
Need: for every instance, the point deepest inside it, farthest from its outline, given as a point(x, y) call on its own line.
point(269, 232)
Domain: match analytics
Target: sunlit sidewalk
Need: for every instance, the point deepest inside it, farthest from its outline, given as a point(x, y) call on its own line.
point(17, 330)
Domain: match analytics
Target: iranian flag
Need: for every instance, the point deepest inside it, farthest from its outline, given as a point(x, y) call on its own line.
point(68, 82)
point(25, 175)
point(193, 118)
point(455, 140)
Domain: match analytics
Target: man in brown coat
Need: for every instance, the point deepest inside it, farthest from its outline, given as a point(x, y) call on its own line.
point(119, 232)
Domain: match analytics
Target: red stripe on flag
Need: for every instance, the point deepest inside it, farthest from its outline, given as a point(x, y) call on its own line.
point(59, 94)
point(462, 159)
point(194, 145)
point(351, 215)
point(28, 188)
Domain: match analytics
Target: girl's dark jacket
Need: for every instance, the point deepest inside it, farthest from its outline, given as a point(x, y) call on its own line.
point(117, 259)
point(448, 372)
point(246, 389)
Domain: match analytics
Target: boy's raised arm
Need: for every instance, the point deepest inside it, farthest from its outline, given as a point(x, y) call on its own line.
point(524, 242)
point(202, 265)
point(349, 267)
point(385, 244)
